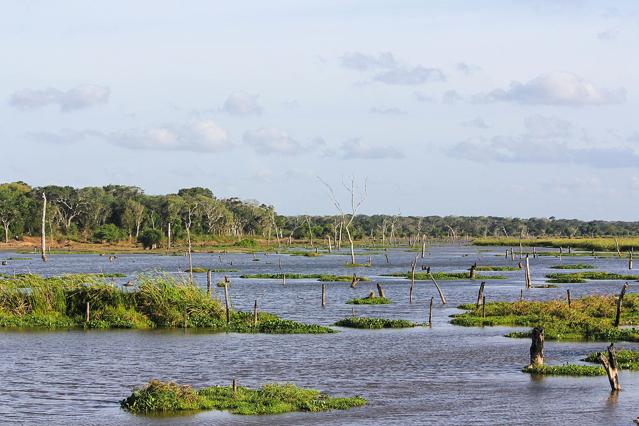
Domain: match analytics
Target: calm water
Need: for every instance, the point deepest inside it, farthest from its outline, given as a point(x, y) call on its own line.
point(443, 375)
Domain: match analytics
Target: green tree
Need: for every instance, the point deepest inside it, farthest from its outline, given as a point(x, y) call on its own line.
point(14, 203)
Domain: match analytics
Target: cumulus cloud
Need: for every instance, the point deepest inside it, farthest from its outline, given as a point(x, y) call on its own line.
point(477, 122)
point(355, 149)
point(423, 97)
point(389, 71)
point(271, 140)
point(202, 135)
point(387, 111)
point(451, 97)
point(546, 140)
point(241, 103)
point(556, 88)
point(70, 100)
point(467, 69)
point(608, 35)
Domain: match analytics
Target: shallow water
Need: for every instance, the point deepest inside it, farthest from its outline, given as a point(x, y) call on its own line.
point(443, 375)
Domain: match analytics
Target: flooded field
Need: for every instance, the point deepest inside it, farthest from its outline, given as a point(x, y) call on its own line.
point(444, 374)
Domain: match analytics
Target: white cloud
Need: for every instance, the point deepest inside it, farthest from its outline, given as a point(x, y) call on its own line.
point(467, 69)
point(70, 100)
point(355, 149)
point(387, 111)
point(423, 97)
point(241, 103)
point(451, 97)
point(477, 122)
point(556, 88)
point(271, 140)
point(608, 35)
point(361, 62)
point(547, 140)
point(410, 76)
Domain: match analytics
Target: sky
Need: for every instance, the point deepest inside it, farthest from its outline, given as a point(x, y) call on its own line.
point(503, 108)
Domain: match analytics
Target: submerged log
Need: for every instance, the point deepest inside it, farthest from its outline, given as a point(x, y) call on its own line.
point(609, 362)
point(619, 303)
point(537, 347)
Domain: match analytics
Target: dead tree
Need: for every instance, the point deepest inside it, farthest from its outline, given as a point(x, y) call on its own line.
point(412, 280)
point(609, 362)
point(537, 347)
point(619, 302)
point(355, 281)
point(480, 295)
point(527, 272)
point(188, 221)
point(43, 240)
point(380, 290)
point(630, 259)
point(439, 290)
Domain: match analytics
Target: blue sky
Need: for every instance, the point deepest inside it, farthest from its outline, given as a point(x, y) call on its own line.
point(508, 108)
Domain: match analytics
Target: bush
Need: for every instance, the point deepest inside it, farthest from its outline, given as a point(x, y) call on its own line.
point(107, 233)
point(150, 238)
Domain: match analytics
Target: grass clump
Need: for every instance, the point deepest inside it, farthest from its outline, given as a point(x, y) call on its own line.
point(197, 270)
point(444, 276)
point(496, 268)
point(304, 253)
point(599, 244)
point(371, 299)
point(274, 398)
point(565, 370)
point(373, 323)
point(588, 318)
point(626, 359)
point(574, 266)
point(581, 277)
point(319, 277)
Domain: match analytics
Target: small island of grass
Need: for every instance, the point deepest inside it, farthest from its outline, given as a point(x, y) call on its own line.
point(373, 323)
point(444, 276)
point(169, 397)
point(371, 299)
point(565, 370)
point(626, 359)
point(318, 277)
point(582, 277)
point(574, 266)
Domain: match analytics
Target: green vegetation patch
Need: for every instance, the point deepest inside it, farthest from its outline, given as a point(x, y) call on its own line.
point(581, 277)
point(574, 266)
point(17, 258)
point(444, 276)
point(319, 277)
point(626, 359)
point(589, 318)
point(197, 270)
point(304, 253)
point(274, 398)
point(373, 323)
point(497, 268)
point(371, 299)
point(158, 302)
point(565, 370)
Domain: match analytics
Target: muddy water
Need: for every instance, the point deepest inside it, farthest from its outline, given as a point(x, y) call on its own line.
point(443, 375)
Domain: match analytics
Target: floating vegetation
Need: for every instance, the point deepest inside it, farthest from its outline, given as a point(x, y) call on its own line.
point(169, 397)
point(497, 268)
point(588, 318)
point(574, 266)
point(197, 270)
point(444, 276)
point(304, 253)
point(373, 323)
point(626, 359)
point(18, 258)
point(565, 370)
point(599, 244)
point(371, 299)
point(582, 277)
point(319, 277)
point(158, 302)
point(358, 265)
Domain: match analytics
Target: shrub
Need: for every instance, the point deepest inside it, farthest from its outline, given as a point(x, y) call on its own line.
point(107, 233)
point(150, 238)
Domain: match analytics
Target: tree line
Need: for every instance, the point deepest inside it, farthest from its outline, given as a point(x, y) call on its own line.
point(117, 212)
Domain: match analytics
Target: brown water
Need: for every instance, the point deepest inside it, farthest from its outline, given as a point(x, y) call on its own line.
point(443, 375)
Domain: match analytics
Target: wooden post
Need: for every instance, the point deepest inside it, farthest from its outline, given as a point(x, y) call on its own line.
point(43, 239)
point(619, 302)
point(630, 259)
point(527, 271)
point(410, 294)
point(283, 279)
point(380, 290)
point(506, 253)
point(439, 290)
point(423, 249)
point(234, 387)
point(226, 300)
point(512, 254)
point(568, 297)
point(430, 312)
point(480, 295)
point(279, 263)
point(323, 295)
point(386, 256)
point(521, 294)
point(610, 365)
point(537, 347)
point(255, 314)
point(88, 315)
point(483, 306)
point(412, 280)
point(472, 269)
point(354, 281)
point(208, 283)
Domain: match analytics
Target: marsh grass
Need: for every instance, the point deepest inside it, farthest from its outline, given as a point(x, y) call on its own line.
point(444, 276)
point(274, 398)
point(626, 359)
point(582, 277)
point(319, 277)
point(589, 318)
point(599, 244)
point(565, 370)
point(369, 300)
point(574, 266)
point(159, 302)
point(497, 268)
point(373, 323)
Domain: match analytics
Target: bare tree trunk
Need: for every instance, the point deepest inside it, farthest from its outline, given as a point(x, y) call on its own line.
point(480, 295)
point(430, 312)
point(471, 271)
point(610, 365)
point(188, 236)
point(527, 272)
point(43, 240)
point(6, 232)
point(380, 290)
point(537, 347)
point(169, 236)
point(439, 290)
point(350, 240)
point(330, 247)
point(619, 302)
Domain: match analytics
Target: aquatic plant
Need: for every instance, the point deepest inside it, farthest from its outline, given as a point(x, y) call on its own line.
point(496, 268)
point(370, 300)
point(274, 398)
point(319, 277)
point(373, 323)
point(580, 277)
point(626, 359)
point(444, 276)
point(574, 266)
point(565, 370)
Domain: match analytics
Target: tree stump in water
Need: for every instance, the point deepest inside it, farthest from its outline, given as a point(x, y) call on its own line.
point(480, 295)
point(354, 281)
point(619, 302)
point(472, 269)
point(537, 347)
point(380, 290)
point(609, 362)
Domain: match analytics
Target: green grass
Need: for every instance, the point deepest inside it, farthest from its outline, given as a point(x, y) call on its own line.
point(565, 370)
point(626, 359)
point(197, 270)
point(319, 277)
point(373, 323)
point(497, 268)
point(589, 318)
point(158, 302)
point(303, 253)
point(17, 258)
point(574, 266)
point(581, 277)
point(444, 276)
point(375, 300)
point(599, 244)
point(274, 398)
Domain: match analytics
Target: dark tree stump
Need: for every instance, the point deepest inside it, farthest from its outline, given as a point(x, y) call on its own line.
point(537, 347)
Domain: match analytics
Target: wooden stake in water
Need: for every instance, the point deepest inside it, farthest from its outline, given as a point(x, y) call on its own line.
point(439, 290)
point(234, 387)
point(380, 290)
point(423, 249)
point(430, 312)
point(255, 314)
point(521, 295)
point(323, 295)
point(226, 300)
point(568, 296)
point(88, 314)
point(480, 295)
point(483, 307)
point(630, 259)
point(609, 362)
point(208, 283)
point(619, 303)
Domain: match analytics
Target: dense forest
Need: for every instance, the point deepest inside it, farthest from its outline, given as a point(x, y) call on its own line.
point(115, 213)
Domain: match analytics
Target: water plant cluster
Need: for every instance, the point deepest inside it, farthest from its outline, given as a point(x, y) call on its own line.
point(583, 277)
point(587, 318)
point(371, 299)
point(319, 277)
point(373, 323)
point(444, 276)
point(157, 397)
